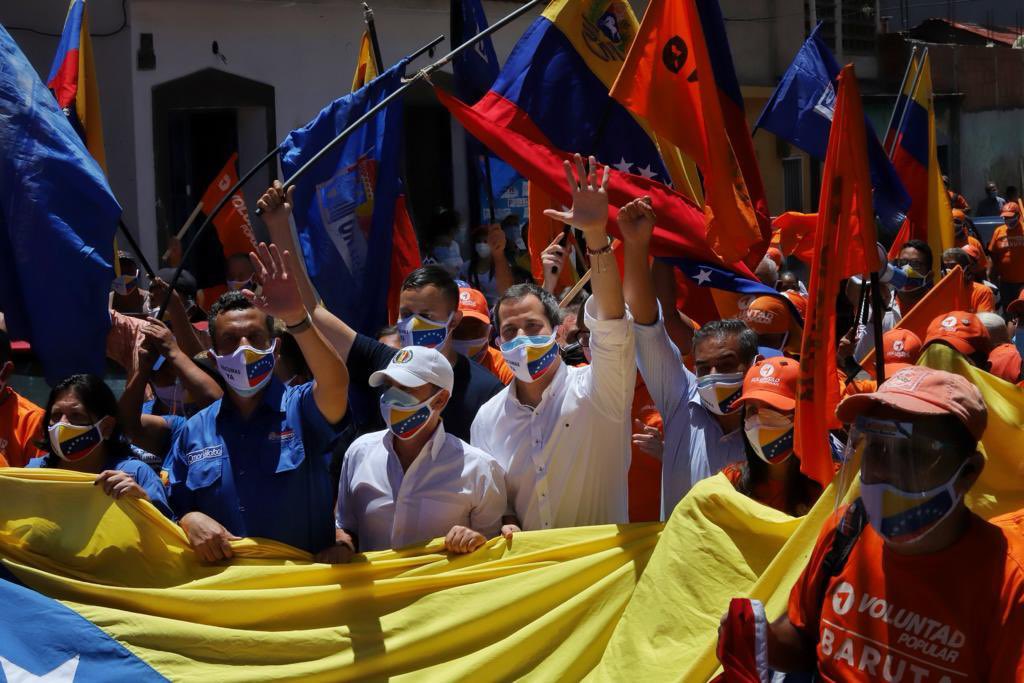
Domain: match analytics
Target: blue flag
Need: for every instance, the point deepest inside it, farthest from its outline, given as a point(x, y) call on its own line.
point(344, 206)
point(800, 112)
point(475, 71)
point(57, 223)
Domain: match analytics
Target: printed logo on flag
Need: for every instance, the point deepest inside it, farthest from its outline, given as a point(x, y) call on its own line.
point(345, 201)
point(826, 104)
point(606, 30)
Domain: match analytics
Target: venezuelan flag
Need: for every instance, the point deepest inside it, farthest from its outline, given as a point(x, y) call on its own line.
point(558, 76)
point(72, 80)
point(915, 158)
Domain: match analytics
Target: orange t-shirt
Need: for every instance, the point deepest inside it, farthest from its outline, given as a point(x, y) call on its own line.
point(1007, 248)
point(953, 615)
point(495, 364)
point(644, 478)
point(982, 299)
point(20, 424)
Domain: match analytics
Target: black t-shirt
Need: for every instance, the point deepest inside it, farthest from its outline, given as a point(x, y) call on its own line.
point(474, 386)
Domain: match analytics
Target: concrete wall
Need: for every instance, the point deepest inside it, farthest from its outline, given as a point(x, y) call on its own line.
point(992, 149)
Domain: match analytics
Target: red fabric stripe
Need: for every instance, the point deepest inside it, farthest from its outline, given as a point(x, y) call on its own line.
point(64, 84)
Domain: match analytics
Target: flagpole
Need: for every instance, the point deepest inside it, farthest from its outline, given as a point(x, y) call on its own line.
point(490, 187)
point(135, 247)
point(423, 73)
point(242, 181)
point(906, 108)
point(371, 28)
point(903, 84)
point(876, 320)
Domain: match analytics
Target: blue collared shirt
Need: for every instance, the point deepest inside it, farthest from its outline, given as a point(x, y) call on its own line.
point(142, 473)
point(264, 476)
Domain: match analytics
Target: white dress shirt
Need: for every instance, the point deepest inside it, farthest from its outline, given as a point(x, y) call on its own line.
point(566, 461)
point(695, 447)
point(449, 483)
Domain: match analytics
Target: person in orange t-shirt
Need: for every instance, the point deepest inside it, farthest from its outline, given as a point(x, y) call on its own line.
point(1007, 249)
point(771, 475)
point(472, 337)
point(907, 583)
point(961, 237)
point(20, 419)
point(981, 298)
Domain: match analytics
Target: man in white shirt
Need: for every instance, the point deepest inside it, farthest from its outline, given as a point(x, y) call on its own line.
point(413, 482)
point(702, 424)
point(562, 434)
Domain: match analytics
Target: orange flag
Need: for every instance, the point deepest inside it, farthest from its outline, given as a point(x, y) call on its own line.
point(844, 245)
point(667, 79)
point(232, 222)
point(794, 234)
point(950, 294)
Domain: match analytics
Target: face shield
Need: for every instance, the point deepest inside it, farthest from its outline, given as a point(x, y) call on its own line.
point(907, 476)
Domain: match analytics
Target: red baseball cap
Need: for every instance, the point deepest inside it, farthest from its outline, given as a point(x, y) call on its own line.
point(798, 300)
point(772, 381)
point(775, 254)
point(961, 330)
point(972, 251)
point(1006, 362)
point(1016, 307)
point(917, 390)
point(768, 315)
point(1010, 208)
point(900, 346)
point(473, 304)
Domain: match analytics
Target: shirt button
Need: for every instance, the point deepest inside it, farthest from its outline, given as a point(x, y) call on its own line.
point(241, 508)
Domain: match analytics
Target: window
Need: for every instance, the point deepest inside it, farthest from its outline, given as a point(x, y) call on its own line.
point(793, 183)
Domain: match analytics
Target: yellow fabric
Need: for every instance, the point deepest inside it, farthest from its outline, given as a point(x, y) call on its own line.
point(366, 63)
point(87, 97)
point(718, 544)
point(1000, 489)
point(542, 608)
point(577, 20)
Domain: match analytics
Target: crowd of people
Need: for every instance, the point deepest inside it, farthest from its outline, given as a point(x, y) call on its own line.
point(491, 407)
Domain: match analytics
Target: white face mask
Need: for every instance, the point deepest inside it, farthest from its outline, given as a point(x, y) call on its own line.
point(247, 369)
point(530, 358)
point(419, 331)
point(770, 435)
point(173, 396)
point(719, 391)
point(483, 250)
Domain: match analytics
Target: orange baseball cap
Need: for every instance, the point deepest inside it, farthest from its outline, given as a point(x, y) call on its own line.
point(959, 215)
point(1006, 362)
point(1010, 208)
point(972, 251)
point(917, 390)
point(961, 330)
point(900, 346)
point(768, 315)
point(798, 300)
point(473, 304)
point(772, 381)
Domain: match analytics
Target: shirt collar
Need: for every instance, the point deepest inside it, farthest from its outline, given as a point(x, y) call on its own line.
point(271, 398)
point(432, 446)
point(557, 384)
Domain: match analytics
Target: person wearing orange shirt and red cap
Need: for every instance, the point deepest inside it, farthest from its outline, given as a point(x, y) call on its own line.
point(907, 583)
point(961, 237)
point(1007, 249)
point(1005, 363)
point(770, 317)
point(981, 298)
point(901, 348)
point(771, 475)
point(473, 335)
point(963, 332)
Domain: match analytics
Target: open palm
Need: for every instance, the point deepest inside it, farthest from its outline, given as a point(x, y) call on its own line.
point(278, 293)
point(589, 210)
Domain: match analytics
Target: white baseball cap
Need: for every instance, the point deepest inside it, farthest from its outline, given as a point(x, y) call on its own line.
point(414, 366)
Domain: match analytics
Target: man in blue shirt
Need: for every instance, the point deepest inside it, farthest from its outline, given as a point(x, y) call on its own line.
point(254, 463)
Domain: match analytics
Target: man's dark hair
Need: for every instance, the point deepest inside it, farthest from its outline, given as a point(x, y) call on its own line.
point(5, 347)
point(517, 292)
point(438, 277)
point(97, 399)
point(232, 301)
point(730, 327)
point(387, 331)
point(922, 247)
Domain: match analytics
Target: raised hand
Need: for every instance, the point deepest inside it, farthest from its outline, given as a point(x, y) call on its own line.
point(159, 337)
point(276, 204)
point(552, 259)
point(589, 210)
point(636, 221)
point(496, 239)
point(277, 293)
